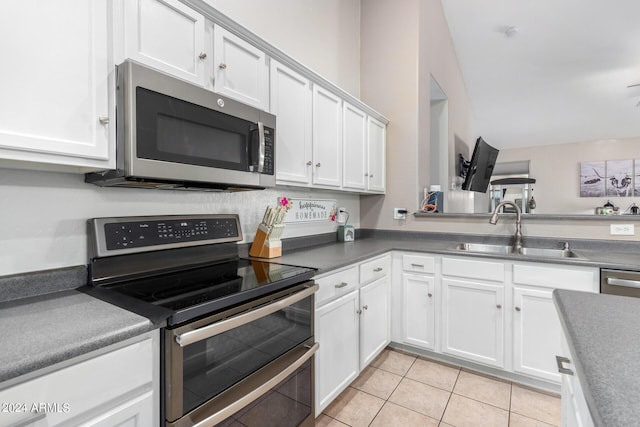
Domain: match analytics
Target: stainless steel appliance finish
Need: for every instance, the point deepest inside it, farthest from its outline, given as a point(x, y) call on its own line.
point(620, 282)
point(238, 334)
point(174, 135)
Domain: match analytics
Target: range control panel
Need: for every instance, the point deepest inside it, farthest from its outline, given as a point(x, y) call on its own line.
point(113, 236)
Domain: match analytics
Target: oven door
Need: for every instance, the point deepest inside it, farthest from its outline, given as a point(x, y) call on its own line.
point(232, 364)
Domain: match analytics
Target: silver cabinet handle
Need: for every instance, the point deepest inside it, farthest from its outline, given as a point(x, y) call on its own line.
point(429, 295)
point(202, 55)
point(318, 165)
point(342, 285)
point(104, 120)
point(518, 309)
point(559, 361)
point(359, 311)
point(623, 282)
point(377, 270)
point(366, 307)
point(309, 163)
point(498, 305)
point(417, 265)
point(222, 66)
point(366, 174)
point(370, 175)
point(190, 337)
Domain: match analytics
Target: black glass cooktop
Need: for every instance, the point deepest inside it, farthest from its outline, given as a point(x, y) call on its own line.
point(188, 294)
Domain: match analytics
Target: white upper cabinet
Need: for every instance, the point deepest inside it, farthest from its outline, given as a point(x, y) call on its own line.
point(376, 157)
point(55, 103)
point(354, 133)
point(240, 69)
point(166, 35)
point(291, 103)
point(327, 138)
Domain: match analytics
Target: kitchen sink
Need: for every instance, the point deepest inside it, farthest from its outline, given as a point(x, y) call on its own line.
point(510, 250)
point(486, 249)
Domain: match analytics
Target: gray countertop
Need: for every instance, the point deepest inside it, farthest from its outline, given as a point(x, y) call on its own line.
point(67, 323)
point(40, 331)
point(331, 256)
point(602, 333)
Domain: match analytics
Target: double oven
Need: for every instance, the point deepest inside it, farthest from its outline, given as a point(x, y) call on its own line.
point(237, 340)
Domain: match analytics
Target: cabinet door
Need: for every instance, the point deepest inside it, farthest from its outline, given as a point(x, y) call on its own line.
point(375, 327)
point(136, 412)
point(166, 35)
point(291, 103)
point(240, 69)
point(376, 145)
point(418, 310)
point(336, 362)
point(327, 138)
point(354, 134)
point(473, 321)
point(537, 333)
point(54, 85)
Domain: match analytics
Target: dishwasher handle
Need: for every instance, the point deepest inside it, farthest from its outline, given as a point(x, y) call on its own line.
point(614, 281)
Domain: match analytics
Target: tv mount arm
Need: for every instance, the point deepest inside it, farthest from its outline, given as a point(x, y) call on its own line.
point(463, 166)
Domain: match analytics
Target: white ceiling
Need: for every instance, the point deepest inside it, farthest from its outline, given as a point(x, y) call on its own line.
point(564, 76)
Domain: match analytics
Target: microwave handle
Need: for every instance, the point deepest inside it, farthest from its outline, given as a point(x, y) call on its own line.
point(261, 147)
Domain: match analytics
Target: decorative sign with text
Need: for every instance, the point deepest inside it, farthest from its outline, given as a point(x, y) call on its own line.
point(310, 210)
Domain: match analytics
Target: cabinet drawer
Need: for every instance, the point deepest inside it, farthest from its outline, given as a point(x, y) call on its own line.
point(375, 268)
point(418, 263)
point(473, 269)
point(336, 284)
point(557, 276)
point(86, 386)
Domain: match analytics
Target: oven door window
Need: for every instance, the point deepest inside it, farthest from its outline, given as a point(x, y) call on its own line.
point(288, 404)
point(217, 363)
point(172, 130)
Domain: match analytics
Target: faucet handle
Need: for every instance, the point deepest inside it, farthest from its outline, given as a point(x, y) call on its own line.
point(566, 246)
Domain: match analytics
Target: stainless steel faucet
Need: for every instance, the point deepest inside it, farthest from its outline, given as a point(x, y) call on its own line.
point(494, 220)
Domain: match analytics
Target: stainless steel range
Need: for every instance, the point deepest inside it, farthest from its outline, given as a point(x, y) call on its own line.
point(237, 338)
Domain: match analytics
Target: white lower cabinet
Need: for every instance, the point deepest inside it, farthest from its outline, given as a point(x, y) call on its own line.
point(374, 320)
point(537, 332)
point(352, 325)
point(418, 315)
point(120, 387)
point(473, 320)
point(575, 412)
point(336, 361)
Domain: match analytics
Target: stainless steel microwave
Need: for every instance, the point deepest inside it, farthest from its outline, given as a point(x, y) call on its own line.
point(171, 134)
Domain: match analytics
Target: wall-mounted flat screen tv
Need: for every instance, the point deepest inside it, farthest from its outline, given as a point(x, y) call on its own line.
point(480, 167)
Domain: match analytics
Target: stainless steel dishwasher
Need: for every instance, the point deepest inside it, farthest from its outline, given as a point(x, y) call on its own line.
point(620, 282)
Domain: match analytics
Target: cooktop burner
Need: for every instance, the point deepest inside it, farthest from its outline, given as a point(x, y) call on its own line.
point(173, 279)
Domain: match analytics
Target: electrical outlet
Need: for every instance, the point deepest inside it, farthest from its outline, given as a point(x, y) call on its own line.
point(399, 213)
point(622, 229)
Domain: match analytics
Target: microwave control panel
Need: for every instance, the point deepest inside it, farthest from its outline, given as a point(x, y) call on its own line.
point(268, 151)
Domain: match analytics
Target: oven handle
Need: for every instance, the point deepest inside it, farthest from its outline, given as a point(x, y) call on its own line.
point(257, 392)
point(186, 338)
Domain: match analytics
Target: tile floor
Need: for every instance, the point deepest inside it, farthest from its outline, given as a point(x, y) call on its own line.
point(399, 389)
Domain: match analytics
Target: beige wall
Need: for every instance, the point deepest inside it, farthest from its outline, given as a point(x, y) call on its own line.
point(556, 169)
point(405, 41)
point(403, 44)
point(323, 35)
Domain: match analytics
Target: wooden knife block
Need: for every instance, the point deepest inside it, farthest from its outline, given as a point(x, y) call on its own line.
point(266, 244)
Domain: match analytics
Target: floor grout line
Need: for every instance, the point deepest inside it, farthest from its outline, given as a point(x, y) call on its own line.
point(450, 392)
